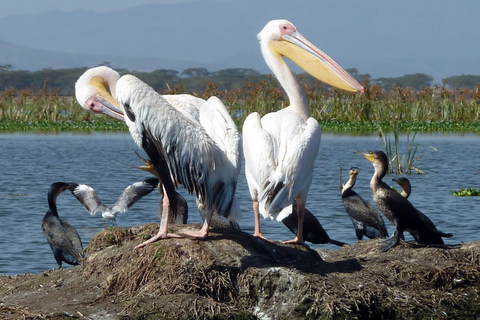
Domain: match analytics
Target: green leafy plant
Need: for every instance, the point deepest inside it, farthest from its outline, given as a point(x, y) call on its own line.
point(467, 192)
point(159, 252)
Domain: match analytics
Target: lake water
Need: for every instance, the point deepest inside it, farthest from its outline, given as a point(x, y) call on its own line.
point(31, 162)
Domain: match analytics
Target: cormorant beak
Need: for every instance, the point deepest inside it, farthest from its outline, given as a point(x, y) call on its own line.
point(367, 155)
point(314, 61)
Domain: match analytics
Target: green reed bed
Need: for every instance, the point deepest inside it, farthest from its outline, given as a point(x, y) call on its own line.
point(435, 109)
point(45, 111)
point(62, 126)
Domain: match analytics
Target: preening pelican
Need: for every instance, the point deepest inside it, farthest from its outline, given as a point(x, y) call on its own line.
point(134, 192)
point(62, 237)
point(196, 144)
point(280, 148)
point(398, 209)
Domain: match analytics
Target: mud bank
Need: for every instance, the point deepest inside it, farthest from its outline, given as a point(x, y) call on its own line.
point(233, 275)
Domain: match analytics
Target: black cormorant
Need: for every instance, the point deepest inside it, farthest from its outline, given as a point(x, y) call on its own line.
point(420, 238)
point(61, 236)
point(365, 217)
point(397, 208)
point(312, 229)
point(406, 186)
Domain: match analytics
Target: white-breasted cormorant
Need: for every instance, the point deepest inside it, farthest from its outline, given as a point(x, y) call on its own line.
point(406, 186)
point(366, 219)
point(397, 208)
point(420, 238)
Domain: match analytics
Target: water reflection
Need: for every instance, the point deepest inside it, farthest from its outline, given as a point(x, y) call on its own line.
point(30, 163)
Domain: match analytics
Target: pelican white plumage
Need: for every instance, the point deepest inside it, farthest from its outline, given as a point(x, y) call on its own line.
point(189, 141)
point(134, 192)
point(280, 148)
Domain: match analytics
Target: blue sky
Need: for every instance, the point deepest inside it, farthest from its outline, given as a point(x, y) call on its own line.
point(384, 38)
point(10, 7)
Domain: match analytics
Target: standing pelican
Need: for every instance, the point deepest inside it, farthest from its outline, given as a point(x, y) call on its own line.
point(398, 209)
point(366, 219)
point(280, 148)
point(61, 236)
point(196, 145)
point(89, 199)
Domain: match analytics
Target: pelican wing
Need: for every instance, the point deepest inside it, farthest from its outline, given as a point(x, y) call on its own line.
point(192, 158)
point(215, 119)
point(133, 193)
point(259, 152)
point(297, 150)
point(88, 198)
point(220, 126)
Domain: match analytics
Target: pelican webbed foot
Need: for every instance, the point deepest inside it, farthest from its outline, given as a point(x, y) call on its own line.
point(296, 240)
point(158, 237)
point(196, 234)
point(261, 236)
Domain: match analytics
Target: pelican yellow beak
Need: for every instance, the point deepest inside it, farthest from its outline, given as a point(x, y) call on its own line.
point(109, 105)
point(314, 61)
point(367, 155)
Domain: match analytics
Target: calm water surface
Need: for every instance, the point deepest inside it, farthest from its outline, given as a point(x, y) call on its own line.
point(30, 163)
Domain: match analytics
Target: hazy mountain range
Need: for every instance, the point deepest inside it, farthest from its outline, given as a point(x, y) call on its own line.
point(384, 39)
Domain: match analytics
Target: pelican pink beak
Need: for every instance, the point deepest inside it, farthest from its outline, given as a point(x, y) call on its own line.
point(103, 102)
point(314, 61)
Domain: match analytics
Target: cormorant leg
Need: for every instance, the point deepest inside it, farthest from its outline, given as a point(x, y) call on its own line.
point(301, 213)
point(256, 212)
point(393, 241)
point(162, 232)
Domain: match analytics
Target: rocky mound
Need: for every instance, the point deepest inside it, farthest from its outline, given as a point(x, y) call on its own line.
point(233, 275)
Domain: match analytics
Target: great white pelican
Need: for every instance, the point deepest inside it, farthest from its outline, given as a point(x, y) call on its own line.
point(280, 148)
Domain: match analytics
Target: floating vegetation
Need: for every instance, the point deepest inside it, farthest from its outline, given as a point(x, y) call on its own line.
point(467, 192)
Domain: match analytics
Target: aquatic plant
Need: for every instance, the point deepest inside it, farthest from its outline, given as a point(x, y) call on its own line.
point(398, 163)
point(467, 192)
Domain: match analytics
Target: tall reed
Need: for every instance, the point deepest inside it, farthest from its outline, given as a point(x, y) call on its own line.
point(397, 162)
point(434, 108)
